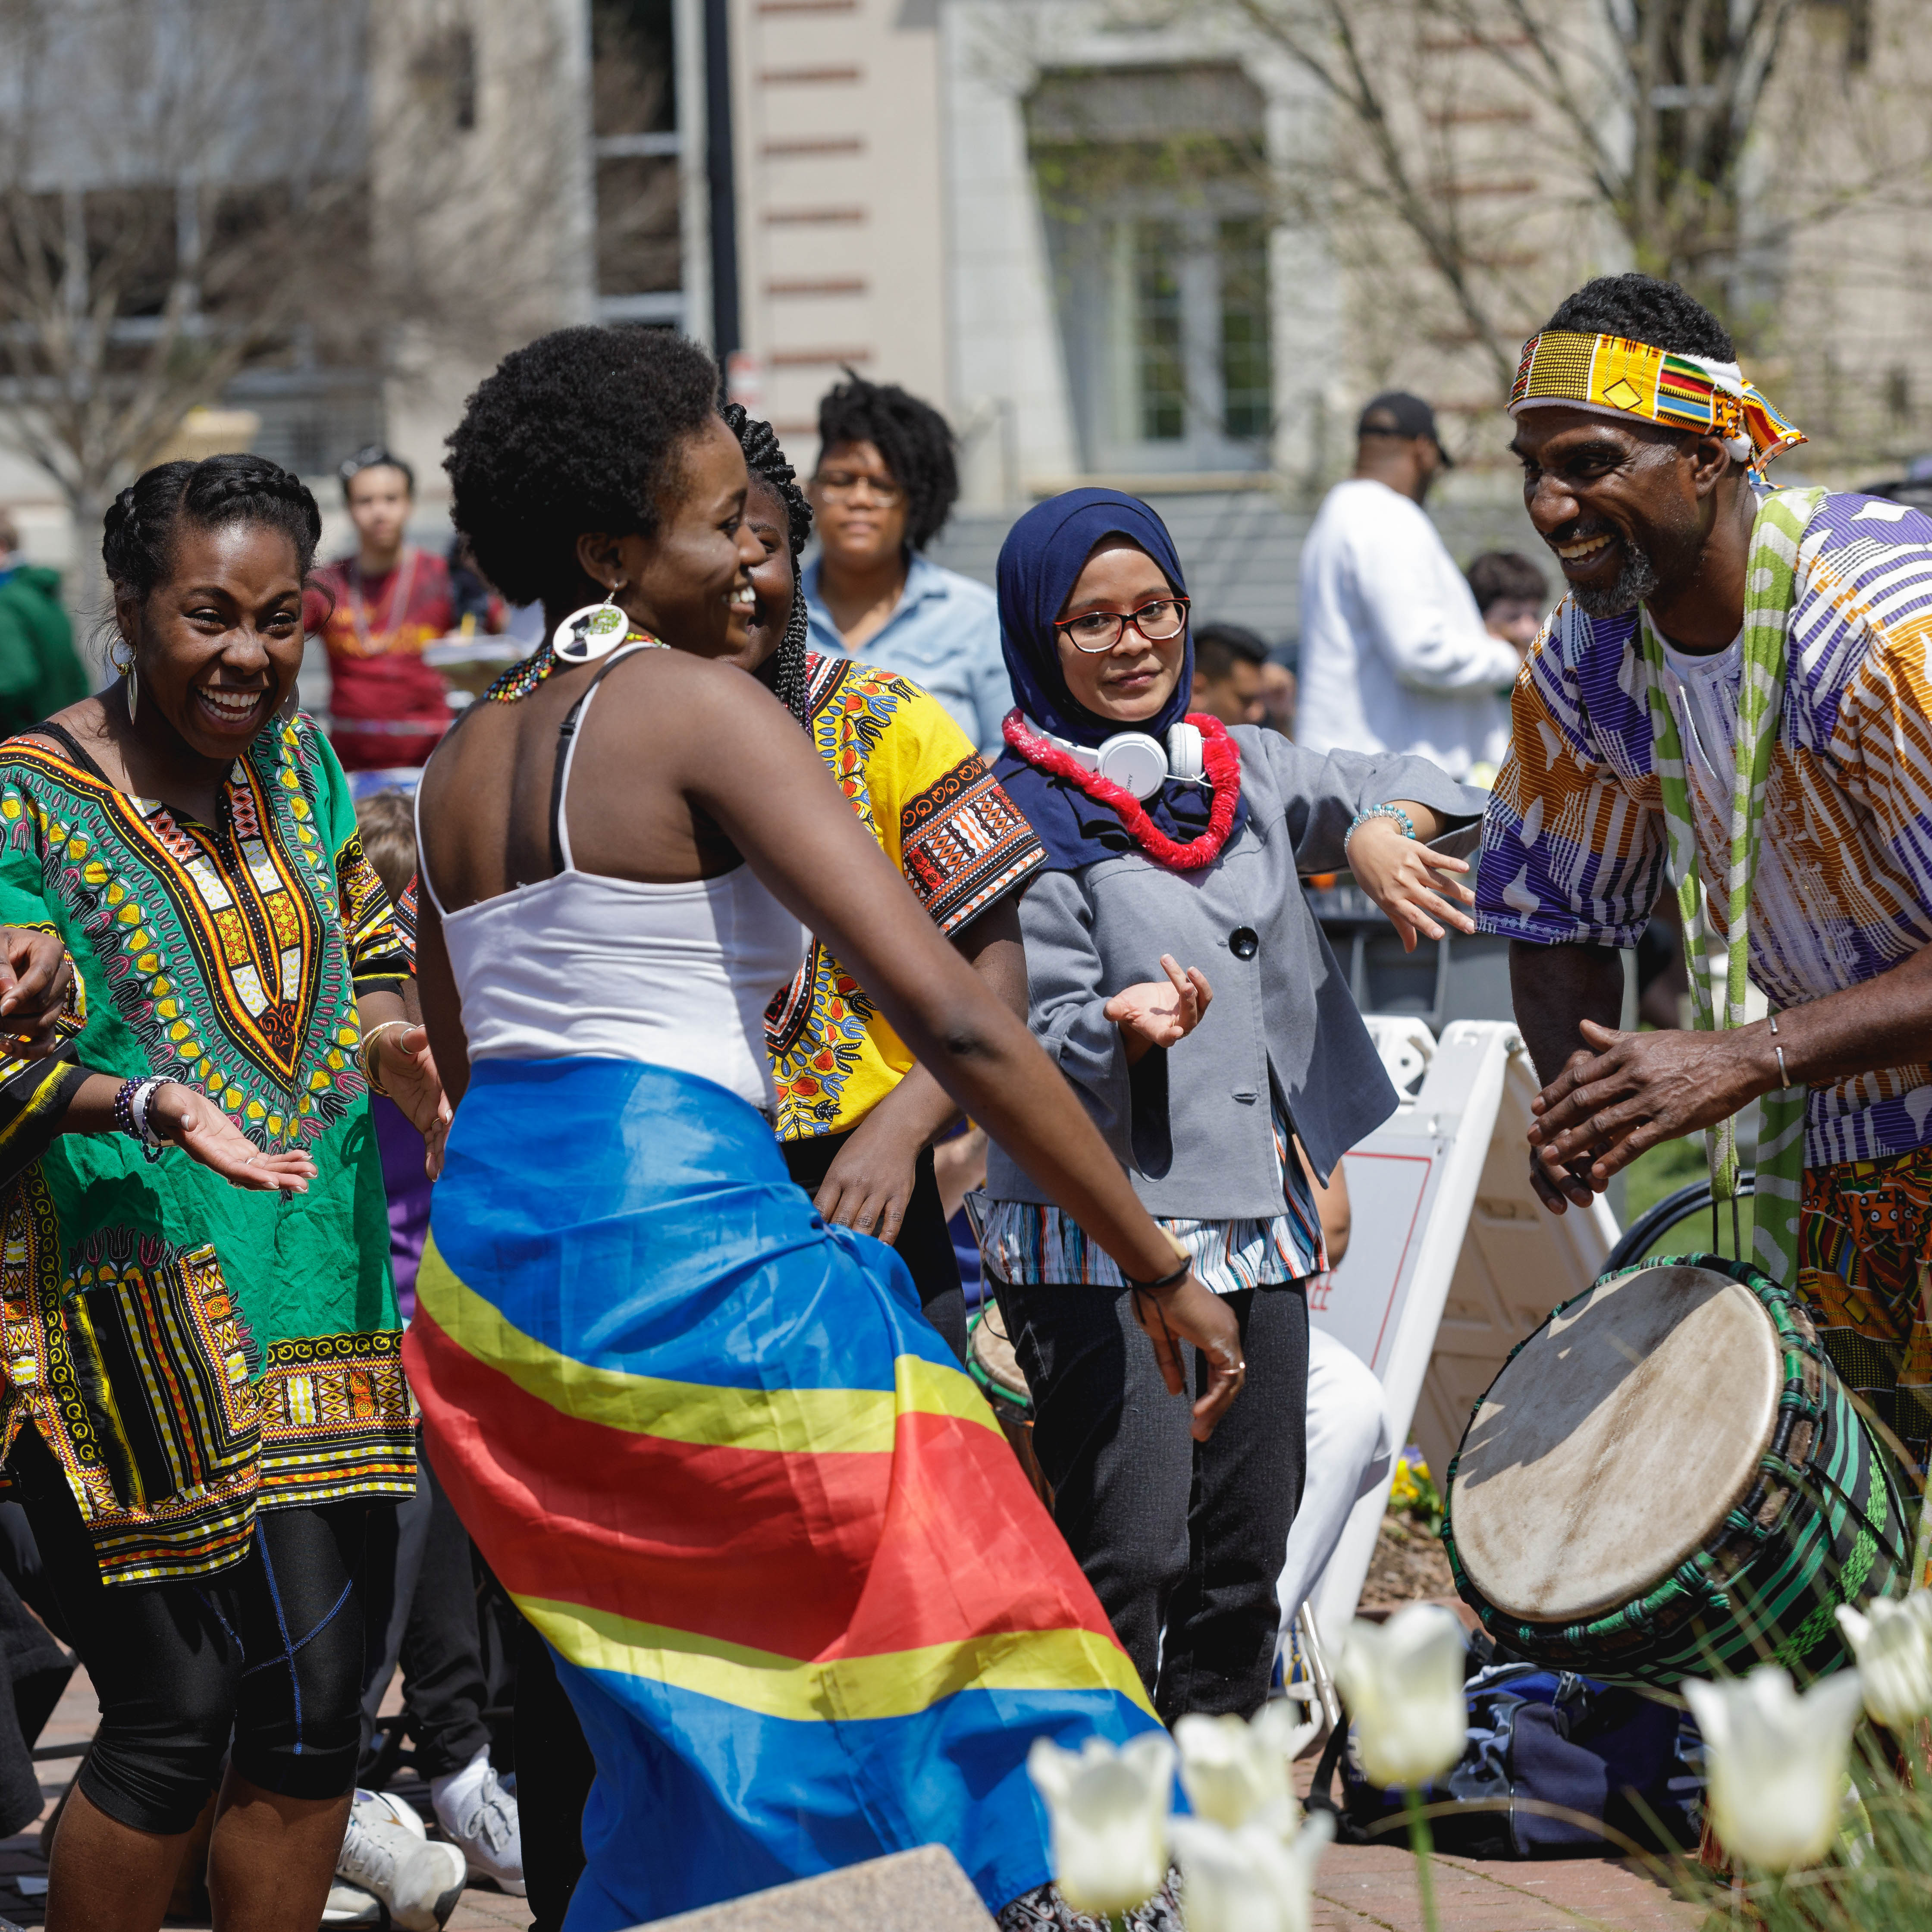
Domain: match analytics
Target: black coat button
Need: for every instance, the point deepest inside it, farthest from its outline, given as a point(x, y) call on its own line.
point(1243, 942)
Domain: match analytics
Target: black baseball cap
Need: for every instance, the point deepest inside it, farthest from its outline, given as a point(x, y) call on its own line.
point(1396, 413)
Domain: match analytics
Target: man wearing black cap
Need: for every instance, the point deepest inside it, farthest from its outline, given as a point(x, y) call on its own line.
point(1394, 655)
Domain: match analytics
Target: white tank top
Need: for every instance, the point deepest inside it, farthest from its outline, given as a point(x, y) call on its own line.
point(676, 976)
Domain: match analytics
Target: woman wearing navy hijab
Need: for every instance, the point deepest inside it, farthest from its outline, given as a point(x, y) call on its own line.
point(1177, 976)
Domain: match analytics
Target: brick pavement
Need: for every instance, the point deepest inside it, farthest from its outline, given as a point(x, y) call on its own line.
point(482, 1909)
point(1358, 1887)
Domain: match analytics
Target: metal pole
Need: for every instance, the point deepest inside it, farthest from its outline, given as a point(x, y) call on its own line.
point(721, 171)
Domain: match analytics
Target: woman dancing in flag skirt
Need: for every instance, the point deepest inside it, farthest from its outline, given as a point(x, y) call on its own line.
point(803, 1600)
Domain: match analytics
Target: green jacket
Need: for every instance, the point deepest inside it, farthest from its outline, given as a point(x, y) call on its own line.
point(39, 672)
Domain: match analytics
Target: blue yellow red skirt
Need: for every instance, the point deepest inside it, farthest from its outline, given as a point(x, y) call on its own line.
point(802, 1597)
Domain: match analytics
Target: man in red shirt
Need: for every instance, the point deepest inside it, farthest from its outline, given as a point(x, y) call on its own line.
point(390, 599)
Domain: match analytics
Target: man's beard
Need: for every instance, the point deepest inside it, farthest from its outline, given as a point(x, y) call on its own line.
point(1637, 580)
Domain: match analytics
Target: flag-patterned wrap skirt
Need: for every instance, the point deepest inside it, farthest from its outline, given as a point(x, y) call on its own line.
point(802, 1597)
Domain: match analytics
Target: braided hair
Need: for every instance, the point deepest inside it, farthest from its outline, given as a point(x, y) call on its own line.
point(914, 438)
point(137, 542)
point(767, 461)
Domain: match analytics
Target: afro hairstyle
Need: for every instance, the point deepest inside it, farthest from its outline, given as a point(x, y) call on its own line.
point(913, 438)
point(581, 430)
point(1642, 309)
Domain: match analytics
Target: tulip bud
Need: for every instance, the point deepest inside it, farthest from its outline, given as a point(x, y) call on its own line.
point(1108, 1812)
point(1776, 1762)
point(1249, 1880)
point(1234, 1772)
point(1893, 1644)
point(1403, 1680)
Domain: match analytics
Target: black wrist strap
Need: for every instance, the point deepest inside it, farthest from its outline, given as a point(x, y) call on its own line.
point(1171, 1280)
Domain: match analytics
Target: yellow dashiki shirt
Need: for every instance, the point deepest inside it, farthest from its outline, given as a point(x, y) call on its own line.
point(922, 792)
point(191, 1352)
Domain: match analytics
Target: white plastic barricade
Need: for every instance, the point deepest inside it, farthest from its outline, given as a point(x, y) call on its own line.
point(1452, 1260)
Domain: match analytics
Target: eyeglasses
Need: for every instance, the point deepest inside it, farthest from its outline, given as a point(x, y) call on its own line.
point(839, 485)
point(1094, 631)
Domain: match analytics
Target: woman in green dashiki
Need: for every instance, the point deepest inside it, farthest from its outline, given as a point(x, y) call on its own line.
point(203, 1394)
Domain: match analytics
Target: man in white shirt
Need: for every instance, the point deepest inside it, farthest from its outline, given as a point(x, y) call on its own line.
point(1394, 655)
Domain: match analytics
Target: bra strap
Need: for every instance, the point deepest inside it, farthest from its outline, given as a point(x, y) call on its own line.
point(568, 734)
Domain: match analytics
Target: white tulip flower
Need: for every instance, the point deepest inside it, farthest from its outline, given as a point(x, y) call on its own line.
point(1403, 1680)
point(1776, 1762)
point(1893, 1644)
point(1248, 1880)
point(1234, 1772)
point(1108, 1811)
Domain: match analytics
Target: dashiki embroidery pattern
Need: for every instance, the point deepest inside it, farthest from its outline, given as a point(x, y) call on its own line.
point(191, 1352)
point(923, 793)
point(1574, 842)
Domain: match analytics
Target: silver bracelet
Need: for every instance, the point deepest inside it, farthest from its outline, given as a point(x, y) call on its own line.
point(1779, 1051)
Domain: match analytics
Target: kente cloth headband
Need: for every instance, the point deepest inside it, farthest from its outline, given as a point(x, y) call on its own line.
point(1637, 379)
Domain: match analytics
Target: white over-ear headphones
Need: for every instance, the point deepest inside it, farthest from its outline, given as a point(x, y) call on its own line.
point(1134, 759)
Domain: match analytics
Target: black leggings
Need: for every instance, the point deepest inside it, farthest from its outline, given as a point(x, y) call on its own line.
point(269, 1649)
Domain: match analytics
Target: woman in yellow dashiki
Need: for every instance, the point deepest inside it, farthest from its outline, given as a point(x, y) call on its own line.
point(857, 1115)
point(204, 1392)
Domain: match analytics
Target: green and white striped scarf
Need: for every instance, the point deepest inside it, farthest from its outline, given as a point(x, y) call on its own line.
point(1770, 588)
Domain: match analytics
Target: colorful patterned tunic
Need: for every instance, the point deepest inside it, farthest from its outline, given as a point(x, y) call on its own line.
point(923, 793)
point(1573, 841)
point(189, 1351)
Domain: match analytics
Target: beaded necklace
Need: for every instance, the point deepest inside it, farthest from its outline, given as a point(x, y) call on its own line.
point(1220, 757)
point(521, 679)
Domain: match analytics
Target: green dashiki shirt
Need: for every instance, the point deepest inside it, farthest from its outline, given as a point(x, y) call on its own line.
point(191, 1352)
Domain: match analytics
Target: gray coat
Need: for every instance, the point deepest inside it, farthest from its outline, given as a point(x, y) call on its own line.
point(1191, 1125)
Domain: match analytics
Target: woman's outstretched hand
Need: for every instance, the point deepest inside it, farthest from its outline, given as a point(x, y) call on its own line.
point(192, 1122)
point(407, 1071)
point(1192, 1313)
point(1159, 1012)
point(1418, 890)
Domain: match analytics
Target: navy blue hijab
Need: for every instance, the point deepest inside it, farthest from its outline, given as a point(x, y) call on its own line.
point(1041, 559)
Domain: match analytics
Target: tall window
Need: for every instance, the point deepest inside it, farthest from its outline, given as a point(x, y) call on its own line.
point(1153, 187)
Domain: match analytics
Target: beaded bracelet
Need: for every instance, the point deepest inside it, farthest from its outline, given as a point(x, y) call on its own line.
point(133, 1102)
point(1361, 818)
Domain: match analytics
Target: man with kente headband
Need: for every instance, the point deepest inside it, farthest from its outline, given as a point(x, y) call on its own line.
point(1736, 687)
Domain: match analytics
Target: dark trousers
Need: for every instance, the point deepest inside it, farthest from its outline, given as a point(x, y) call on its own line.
point(554, 1773)
point(1182, 1541)
point(924, 1242)
point(422, 1599)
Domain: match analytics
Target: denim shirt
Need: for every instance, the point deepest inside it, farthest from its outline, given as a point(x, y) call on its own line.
point(944, 635)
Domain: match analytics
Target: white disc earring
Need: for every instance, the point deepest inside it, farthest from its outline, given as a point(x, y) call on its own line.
point(592, 632)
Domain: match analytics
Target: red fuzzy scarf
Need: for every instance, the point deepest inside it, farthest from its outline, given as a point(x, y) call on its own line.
point(1220, 756)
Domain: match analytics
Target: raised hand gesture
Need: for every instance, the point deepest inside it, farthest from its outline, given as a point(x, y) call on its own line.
point(1159, 1012)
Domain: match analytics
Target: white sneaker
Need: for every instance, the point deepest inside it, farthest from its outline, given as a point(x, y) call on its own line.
point(351, 1905)
point(384, 1807)
point(419, 1879)
point(479, 1815)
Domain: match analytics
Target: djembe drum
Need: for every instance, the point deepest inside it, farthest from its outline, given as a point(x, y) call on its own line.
point(991, 1362)
point(1668, 1480)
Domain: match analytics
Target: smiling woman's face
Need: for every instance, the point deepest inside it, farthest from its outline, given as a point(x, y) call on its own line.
point(1131, 682)
point(772, 579)
point(218, 642)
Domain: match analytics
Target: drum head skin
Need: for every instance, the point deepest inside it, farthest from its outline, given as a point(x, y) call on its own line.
point(1614, 1444)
